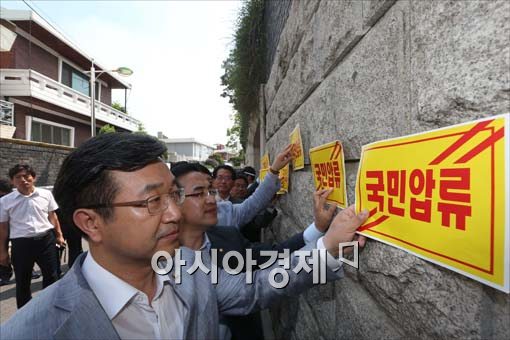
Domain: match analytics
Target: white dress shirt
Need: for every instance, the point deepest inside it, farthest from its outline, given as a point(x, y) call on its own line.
point(27, 215)
point(128, 308)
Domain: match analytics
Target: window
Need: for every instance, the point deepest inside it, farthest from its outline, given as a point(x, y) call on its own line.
point(77, 80)
point(49, 132)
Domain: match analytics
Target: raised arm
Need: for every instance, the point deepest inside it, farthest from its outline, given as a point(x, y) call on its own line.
point(235, 297)
point(238, 215)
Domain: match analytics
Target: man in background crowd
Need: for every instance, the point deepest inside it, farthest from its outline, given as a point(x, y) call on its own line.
point(28, 214)
point(238, 215)
point(5, 187)
point(239, 191)
point(251, 176)
point(238, 194)
point(5, 270)
point(223, 180)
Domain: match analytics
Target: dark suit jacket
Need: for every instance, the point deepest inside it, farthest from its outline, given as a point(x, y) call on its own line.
point(263, 219)
point(251, 230)
point(252, 188)
point(227, 239)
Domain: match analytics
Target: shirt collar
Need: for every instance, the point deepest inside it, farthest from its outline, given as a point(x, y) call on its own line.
point(207, 243)
point(160, 283)
point(16, 193)
point(103, 283)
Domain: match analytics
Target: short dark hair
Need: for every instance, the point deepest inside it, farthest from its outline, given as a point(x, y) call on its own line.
point(5, 186)
point(85, 179)
point(184, 168)
point(21, 167)
point(225, 167)
point(249, 171)
point(240, 175)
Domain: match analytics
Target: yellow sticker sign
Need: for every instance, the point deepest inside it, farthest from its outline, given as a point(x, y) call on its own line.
point(284, 180)
point(329, 171)
point(443, 195)
point(298, 156)
point(262, 174)
point(264, 161)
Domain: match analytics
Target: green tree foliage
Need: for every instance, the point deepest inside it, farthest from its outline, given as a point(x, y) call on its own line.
point(118, 106)
point(141, 129)
point(237, 160)
point(244, 66)
point(234, 133)
point(107, 129)
point(216, 158)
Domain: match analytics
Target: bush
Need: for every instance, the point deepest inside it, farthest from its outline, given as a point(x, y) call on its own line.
point(107, 129)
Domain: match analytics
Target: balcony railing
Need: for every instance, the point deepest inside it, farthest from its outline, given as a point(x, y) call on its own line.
point(17, 82)
point(6, 113)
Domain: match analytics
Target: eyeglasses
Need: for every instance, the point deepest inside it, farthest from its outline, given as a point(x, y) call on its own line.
point(154, 204)
point(223, 178)
point(240, 186)
point(204, 193)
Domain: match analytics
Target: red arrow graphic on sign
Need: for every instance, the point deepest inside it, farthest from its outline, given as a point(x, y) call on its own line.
point(461, 141)
point(491, 140)
point(378, 221)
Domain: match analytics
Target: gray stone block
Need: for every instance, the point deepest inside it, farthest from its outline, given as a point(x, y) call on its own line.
point(300, 13)
point(332, 32)
point(359, 316)
point(460, 61)
point(365, 98)
point(443, 303)
point(373, 10)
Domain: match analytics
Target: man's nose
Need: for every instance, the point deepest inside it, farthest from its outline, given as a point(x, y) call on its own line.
point(210, 199)
point(172, 214)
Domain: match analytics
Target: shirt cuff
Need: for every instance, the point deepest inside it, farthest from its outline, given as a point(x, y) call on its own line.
point(332, 263)
point(312, 234)
point(274, 178)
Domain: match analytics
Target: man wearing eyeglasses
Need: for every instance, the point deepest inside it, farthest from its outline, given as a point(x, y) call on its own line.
point(123, 198)
point(239, 215)
point(198, 232)
point(224, 178)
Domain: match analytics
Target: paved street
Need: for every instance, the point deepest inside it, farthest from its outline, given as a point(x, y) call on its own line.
point(8, 296)
point(8, 292)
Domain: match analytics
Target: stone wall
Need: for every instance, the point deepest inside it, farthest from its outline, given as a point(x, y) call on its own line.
point(362, 71)
point(275, 16)
point(46, 159)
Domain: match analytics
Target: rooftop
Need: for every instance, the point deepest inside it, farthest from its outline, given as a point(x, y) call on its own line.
point(45, 32)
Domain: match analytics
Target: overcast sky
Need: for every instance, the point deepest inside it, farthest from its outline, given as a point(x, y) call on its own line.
point(175, 49)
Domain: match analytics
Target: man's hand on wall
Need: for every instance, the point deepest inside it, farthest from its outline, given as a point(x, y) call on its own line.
point(322, 211)
point(282, 159)
point(343, 229)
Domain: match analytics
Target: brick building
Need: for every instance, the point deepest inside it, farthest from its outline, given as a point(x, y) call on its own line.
point(44, 88)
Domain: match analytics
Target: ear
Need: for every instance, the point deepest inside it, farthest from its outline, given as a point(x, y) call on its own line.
point(90, 223)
